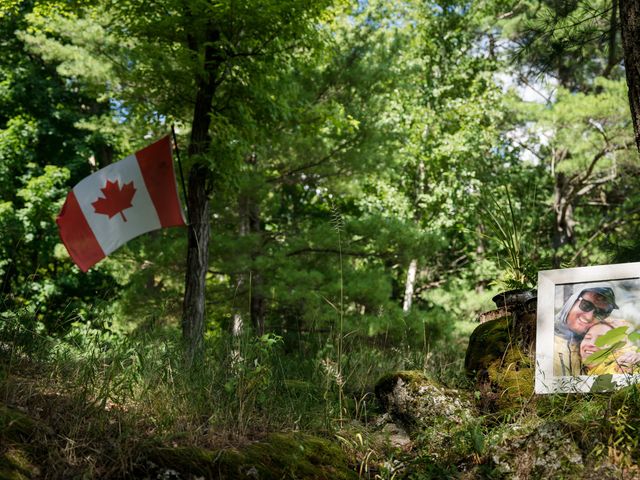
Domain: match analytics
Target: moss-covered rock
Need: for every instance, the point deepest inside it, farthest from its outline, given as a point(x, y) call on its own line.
point(282, 455)
point(487, 343)
point(15, 464)
point(501, 360)
point(544, 451)
point(437, 418)
point(417, 401)
point(14, 425)
point(16, 430)
point(511, 379)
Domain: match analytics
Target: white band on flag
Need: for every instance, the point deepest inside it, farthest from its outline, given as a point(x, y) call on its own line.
point(113, 232)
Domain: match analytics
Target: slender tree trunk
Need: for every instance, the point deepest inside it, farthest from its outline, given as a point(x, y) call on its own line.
point(258, 302)
point(193, 316)
point(630, 27)
point(410, 285)
point(7, 278)
point(103, 151)
point(104, 155)
point(612, 54)
point(240, 280)
point(410, 282)
point(564, 221)
point(236, 325)
point(249, 209)
point(480, 256)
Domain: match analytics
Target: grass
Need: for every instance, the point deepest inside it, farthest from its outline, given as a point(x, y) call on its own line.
point(96, 402)
point(106, 394)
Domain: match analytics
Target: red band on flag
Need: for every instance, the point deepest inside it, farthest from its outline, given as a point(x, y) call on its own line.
point(77, 236)
point(157, 170)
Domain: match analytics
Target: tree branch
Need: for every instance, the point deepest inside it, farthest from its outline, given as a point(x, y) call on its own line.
point(315, 163)
point(336, 252)
point(604, 228)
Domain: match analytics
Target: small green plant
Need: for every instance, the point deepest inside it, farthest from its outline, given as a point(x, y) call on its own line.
point(360, 449)
point(621, 441)
point(508, 227)
point(250, 381)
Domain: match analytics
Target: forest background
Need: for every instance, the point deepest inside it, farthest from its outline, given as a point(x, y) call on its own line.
point(370, 175)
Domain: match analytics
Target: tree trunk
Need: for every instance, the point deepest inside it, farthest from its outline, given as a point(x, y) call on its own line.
point(630, 27)
point(258, 302)
point(249, 209)
point(410, 285)
point(237, 321)
point(564, 221)
point(104, 155)
point(193, 316)
point(102, 151)
point(197, 264)
point(612, 54)
point(480, 256)
point(7, 279)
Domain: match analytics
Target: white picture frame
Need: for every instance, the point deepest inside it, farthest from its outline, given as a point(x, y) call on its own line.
point(557, 290)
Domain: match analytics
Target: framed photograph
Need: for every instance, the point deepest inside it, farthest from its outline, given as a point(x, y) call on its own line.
point(576, 307)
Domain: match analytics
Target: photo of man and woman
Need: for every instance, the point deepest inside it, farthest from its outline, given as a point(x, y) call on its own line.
point(583, 312)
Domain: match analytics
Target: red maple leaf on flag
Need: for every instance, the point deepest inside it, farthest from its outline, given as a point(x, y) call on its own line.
point(115, 199)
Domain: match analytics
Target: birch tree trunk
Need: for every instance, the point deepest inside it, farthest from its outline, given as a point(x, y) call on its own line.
point(410, 285)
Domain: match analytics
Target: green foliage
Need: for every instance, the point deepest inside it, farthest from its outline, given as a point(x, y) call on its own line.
point(573, 41)
point(507, 228)
point(348, 143)
point(42, 198)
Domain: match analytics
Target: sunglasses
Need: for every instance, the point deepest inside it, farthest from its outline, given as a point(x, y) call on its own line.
point(599, 313)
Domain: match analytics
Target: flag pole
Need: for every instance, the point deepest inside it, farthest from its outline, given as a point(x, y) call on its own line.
point(184, 186)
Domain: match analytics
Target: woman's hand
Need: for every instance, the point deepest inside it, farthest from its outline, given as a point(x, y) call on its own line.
point(627, 361)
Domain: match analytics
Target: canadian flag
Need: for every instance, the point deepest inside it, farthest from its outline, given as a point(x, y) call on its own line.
point(119, 202)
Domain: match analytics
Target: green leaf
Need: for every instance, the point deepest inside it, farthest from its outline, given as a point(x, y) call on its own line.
point(634, 337)
point(600, 356)
point(612, 336)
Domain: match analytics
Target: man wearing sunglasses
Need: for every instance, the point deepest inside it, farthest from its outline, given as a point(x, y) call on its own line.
point(583, 310)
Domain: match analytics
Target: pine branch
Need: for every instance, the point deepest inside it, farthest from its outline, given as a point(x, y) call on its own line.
point(336, 251)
